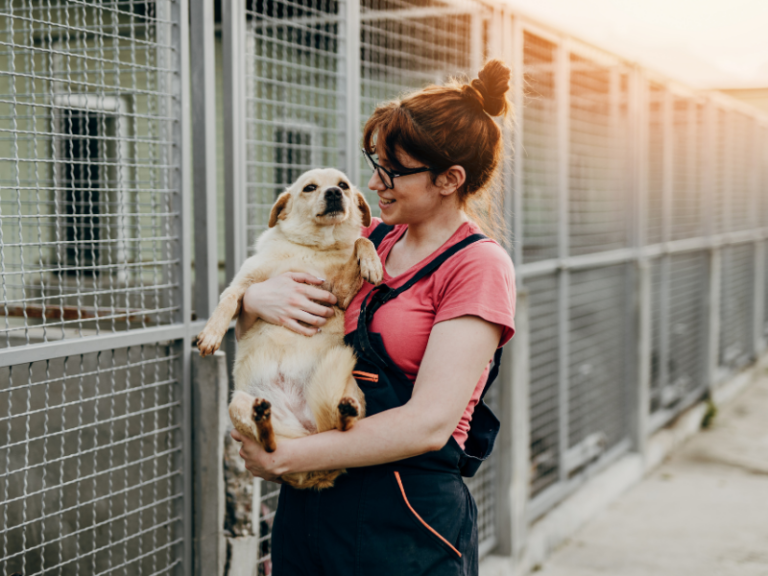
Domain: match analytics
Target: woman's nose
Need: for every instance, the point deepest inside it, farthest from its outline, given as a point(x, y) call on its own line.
point(375, 182)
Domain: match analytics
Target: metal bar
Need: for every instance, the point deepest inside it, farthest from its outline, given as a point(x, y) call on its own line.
point(233, 75)
point(352, 63)
point(203, 88)
point(562, 87)
point(514, 53)
point(518, 439)
point(476, 47)
point(209, 389)
point(639, 397)
point(182, 159)
point(89, 344)
point(758, 294)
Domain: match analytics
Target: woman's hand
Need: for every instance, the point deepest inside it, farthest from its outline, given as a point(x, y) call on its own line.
point(287, 300)
point(258, 461)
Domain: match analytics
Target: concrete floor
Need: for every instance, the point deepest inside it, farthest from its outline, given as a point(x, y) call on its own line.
point(703, 512)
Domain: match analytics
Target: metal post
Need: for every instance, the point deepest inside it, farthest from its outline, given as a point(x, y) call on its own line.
point(233, 52)
point(758, 340)
point(351, 38)
point(514, 438)
point(668, 167)
point(639, 401)
point(517, 431)
point(203, 87)
point(713, 314)
point(209, 390)
point(562, 87)
point(514, 53)
point(476, 48)
point(177, 12)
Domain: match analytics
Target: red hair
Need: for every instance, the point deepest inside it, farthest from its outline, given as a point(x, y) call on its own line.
point(444, 126)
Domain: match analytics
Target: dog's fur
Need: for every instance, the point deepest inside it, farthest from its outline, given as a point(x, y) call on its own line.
point(288, 385)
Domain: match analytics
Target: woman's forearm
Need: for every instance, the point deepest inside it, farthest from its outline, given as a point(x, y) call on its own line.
point(386, 437)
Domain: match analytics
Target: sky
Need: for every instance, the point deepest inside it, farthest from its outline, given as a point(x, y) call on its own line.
point(702, 43)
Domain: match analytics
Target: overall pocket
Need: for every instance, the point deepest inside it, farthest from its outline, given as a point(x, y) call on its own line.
point(411, 525)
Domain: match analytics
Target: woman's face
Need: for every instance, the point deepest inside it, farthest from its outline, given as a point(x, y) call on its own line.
point(412, 200)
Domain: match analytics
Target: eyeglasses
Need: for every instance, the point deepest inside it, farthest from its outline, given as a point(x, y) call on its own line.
point(387, 176)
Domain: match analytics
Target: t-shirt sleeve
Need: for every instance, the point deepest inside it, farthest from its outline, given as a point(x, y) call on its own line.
point(479, 282)
point(366, 231)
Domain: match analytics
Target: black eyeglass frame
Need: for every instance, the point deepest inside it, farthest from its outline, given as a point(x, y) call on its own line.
point(373, 165)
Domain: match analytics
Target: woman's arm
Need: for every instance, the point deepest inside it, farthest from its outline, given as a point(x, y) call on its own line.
point(285, 300)
point(457, 354)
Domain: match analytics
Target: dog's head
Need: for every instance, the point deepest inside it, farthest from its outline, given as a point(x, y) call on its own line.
point(319, 199)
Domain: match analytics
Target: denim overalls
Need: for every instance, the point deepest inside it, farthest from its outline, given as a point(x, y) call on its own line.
point(413, 517)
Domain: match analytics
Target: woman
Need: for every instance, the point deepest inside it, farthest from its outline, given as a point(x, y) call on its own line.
point(424, 343)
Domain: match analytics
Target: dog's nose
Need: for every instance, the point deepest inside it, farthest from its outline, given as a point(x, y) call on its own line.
point(333, 193)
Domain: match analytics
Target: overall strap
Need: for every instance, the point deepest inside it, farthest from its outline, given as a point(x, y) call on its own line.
point(383, 293)
point(379, 233)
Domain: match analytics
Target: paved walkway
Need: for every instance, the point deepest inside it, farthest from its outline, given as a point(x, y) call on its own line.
point(704, 512)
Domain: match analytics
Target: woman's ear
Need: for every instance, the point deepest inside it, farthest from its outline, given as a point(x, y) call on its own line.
point(451, 180)
point(280, 209)
point(364, 208)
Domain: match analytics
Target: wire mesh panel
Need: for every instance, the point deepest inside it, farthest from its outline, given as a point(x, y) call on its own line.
point(597, 364)
point(740, 174)
point(294, 102)
point(483, 487)
point(540, 164)
point(270, 492)
point(659, 270)
point(679, 332)
point(687, 219)
point(408, 44)
point(598, 198)
point(687, 323)
point(736, 306)
point(88, 106)
point(90, 463)
point(544, 391)
point(720, 183)
point(656, 142)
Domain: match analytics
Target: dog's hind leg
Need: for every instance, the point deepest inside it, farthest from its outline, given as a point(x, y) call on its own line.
point(332, 394)
point(252, 417)
point(262, 415)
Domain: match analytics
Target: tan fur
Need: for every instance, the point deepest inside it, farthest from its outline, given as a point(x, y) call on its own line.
point(288, 385)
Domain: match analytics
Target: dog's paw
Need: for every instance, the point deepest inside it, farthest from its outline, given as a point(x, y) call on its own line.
point(208, 342)
point(262, 410)
point(349, 411)
point(370, 269)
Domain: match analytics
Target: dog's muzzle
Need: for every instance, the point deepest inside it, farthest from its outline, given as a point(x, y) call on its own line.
point(334, 201)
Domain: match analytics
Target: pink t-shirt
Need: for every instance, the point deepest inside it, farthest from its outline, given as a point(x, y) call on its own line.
point(476, 281)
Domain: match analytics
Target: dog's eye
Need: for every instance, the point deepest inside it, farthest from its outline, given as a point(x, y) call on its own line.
point(343, 185)
point(310, 188)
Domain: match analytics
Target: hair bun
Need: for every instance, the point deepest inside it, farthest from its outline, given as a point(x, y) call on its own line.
point(492, 84)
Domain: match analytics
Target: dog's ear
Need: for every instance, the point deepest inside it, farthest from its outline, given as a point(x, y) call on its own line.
point(280, 209)
point(364, 208)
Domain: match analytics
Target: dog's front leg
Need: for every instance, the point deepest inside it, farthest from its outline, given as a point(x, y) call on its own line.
point(363, 265)
point(209, 340)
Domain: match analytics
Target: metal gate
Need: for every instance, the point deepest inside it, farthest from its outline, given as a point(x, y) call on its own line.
point(313, 71)
point(94, 349)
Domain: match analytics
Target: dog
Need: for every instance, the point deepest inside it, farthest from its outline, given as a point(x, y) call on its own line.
point(288, 385)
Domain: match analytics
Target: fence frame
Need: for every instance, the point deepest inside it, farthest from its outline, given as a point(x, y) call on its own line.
point(181, 331)
point(506, 32)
